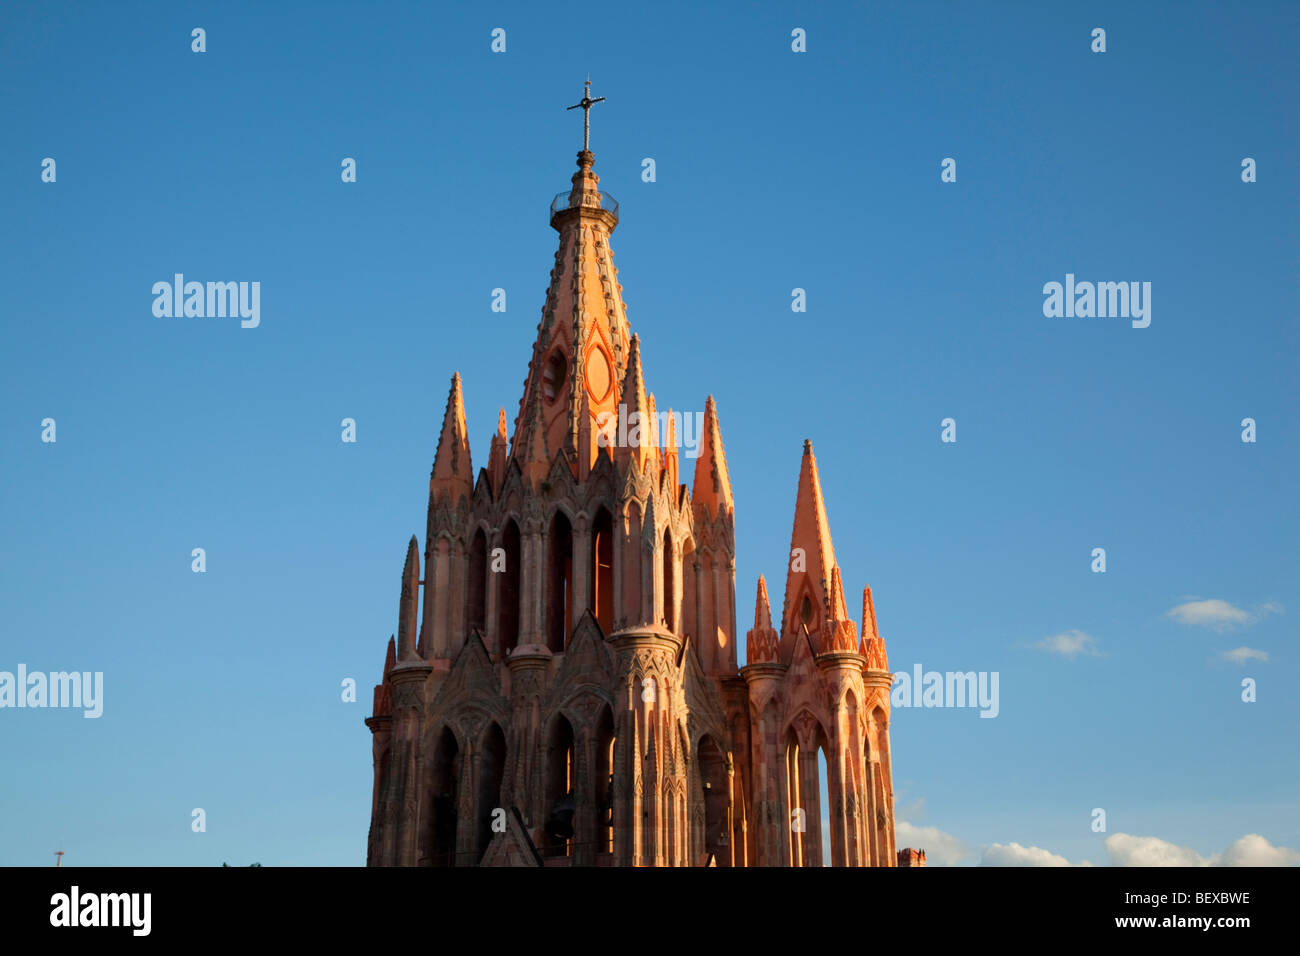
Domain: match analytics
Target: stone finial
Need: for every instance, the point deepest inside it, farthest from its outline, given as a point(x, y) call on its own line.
point(712, 485)
point(838, 632)
point(812, 555)
point(633, 398)
point(873, 646)
point(761, 641)
point(497, 455)
point(453, 475)
point(408, 610)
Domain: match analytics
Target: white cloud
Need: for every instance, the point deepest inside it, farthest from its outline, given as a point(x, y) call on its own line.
point(1250, 850)
point(1126, 850)
point(941, 849)
point(1240, 655)
point(1013, 854)
point(1214, 613)
point(1254, 850)
point(1070, 644)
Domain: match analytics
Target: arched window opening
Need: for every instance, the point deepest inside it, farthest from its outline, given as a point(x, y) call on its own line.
point(632, 608)
point(508, 596)
point(670, 619)
point(560, 803)
point(559, 595)
point(492, 765)
point(476, 612)
point(798, 822)
point(713, 779)
point(824, 804)
point(602, 571)
point(446, 791)
point(603, 779)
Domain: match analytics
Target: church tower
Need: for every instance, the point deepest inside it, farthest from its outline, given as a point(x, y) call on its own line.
point(563, 687)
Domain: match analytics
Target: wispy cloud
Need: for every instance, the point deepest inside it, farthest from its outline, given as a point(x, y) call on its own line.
point(1219, 615)
point(1070, 644)
point(1240, 655)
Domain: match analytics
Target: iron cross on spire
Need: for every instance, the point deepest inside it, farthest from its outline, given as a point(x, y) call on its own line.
point(586, 105)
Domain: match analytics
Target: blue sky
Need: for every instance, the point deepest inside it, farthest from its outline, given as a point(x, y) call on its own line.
point(775, 170)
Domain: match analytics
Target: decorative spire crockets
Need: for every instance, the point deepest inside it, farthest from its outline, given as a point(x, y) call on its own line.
point(583, 338)
point(453, 475)
point(838, 633)
point(496, 468)
point(811, 559)
point(635, 446)
point(712, 484)
point(408, 609)
point(873, 645)
point(761, 642)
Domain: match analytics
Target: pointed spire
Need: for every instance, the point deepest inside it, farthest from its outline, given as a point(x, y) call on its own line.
point(868, 614)
point(712, 485)
point(383, 698)
point(497, 455)
point(452, 474)
point(670, 455)
point(391, 657)
point(409, 606)
point(839, 609)
point(762, 605)
point(812, 556)
point(873, 646)
point(654, 456)
point(761, 641)
point(636, 443)
point(535, 456)
point(838, 632)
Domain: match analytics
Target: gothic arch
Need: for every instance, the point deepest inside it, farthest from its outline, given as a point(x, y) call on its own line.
point(559, 580)
point(509, 592)
point(714, 795)
point(602, 569)
point(443, 794)
point(560, 804)
point(476, 597)
point(491, 773)
point(604, 741)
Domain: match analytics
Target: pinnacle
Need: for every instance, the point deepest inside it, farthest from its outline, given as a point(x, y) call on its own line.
point(812, 555)
point(452, 471)
point(712, 485)
point(762, 606)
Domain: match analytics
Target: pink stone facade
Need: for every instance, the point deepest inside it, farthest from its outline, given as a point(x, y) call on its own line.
point(563, 686)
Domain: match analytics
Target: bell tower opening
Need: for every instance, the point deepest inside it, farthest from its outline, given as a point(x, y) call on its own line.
point(476, 612)
point(508, 596)
point(670, 619)
point(445, 796)
point(492, 765)
point(560, 803)
point(602, 571)
point(559, 591)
